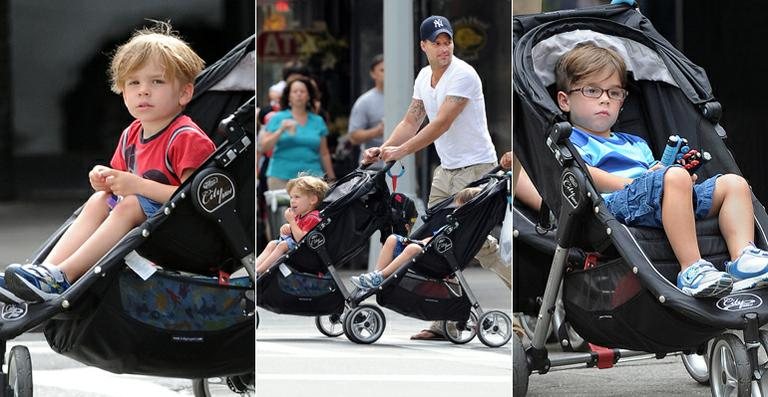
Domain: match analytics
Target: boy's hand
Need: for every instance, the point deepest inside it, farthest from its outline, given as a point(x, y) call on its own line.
point(285, 230)
point(98, 182)
point(120, 182)
point(656, 166)
point(289, 215)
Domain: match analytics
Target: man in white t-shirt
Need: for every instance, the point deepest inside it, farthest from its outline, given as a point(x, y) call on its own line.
point(450, 94)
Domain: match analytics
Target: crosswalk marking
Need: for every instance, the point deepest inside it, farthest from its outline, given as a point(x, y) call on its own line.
point(389, 378)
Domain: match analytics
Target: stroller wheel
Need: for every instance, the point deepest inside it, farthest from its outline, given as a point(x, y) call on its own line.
point(495, 328)
point(729, 368)
point(20, 371)
point(520, 367)
point(460, 332)
point(697, 366)
point(364, 324)
point(331, 325)
point(220, 386)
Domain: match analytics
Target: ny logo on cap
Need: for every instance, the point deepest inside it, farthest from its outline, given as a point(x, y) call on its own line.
point(438, 23)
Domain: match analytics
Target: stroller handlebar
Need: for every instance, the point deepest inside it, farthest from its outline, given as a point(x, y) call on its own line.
point(245, 110)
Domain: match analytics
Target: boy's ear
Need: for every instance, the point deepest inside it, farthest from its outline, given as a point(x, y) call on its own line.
point(562, 101)
point(186, 94)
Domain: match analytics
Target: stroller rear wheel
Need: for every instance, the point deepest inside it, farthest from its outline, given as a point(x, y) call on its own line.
point(221, 386)
point(20, 371)
point(331, 325)
point(460, 332)
point(364, 324)
point(495, 328)
point(520, 367)
point(729, 368)
point(697, 366)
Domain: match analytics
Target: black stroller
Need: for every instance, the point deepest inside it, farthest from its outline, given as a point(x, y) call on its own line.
point(626, 298)
point(432, 286)
point(305, 281)
point(190, 322)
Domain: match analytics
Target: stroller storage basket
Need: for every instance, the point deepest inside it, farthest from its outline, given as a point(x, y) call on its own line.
point(607, 305)
point(425, 298)
point(169, 325)
point(286, 290)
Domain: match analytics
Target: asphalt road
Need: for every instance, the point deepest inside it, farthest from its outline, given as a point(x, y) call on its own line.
point(294, 359)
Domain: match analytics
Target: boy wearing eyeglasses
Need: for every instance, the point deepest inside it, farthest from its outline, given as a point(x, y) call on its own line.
point(639, 191)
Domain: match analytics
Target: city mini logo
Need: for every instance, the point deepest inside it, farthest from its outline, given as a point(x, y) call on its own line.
point(12, 312)
point(438, 23)
point(739, 302)
point(315, 240)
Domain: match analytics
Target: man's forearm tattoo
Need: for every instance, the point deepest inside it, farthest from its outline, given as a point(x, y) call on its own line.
point(416, 109)
point(456, 99)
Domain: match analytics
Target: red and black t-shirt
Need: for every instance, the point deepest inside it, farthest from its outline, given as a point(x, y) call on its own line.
point(164, 157)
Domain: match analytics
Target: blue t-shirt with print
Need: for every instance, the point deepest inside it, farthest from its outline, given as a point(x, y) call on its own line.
point(299, 152)
point(620, 154)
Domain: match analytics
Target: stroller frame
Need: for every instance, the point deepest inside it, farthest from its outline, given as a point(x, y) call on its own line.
point(328, 322)
point(575, 200)
point(19, 318)
point(492, 327)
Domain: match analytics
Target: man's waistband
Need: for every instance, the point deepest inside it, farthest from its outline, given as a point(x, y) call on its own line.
point(469, 166)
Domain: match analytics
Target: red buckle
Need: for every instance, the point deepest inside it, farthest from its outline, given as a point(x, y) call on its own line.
point(605, 356)
point(591, 260)
point(223, 278)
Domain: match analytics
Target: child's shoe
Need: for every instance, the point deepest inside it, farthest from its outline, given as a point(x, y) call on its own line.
point(368, 280)
point(36, 283)
point(702, 280)
point(752, 263)
point(7, 296)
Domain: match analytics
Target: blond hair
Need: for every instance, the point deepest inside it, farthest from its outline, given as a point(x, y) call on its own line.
point(465, 195)
point(587, 60)
point(308, 185)
point(159, 42)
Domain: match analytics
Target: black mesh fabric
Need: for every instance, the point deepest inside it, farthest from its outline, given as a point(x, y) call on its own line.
point(293, 292)
point(607, 306)
point(426, 299)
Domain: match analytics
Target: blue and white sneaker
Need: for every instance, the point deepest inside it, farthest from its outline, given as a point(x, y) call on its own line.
point(750, 268)
point(368, 280)
point(6, 296)
point(36, 283)
point(703, 280)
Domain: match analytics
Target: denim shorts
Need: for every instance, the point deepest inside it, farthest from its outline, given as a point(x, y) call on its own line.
point(639, 203)
point(149, 206)
point(288, 240)
point(400, 245)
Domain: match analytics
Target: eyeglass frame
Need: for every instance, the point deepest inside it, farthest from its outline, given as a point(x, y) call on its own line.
point(626, 93)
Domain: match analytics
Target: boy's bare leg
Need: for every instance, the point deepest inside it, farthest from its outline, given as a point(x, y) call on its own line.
point(733, 200)
point(265, 254)
point(93, 214)
point(387, 250)
point(677, 216)
point(124, 217)
point(409, 252)
point(279, 250)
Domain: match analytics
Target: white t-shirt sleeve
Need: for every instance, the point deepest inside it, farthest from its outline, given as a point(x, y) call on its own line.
point(464, 84)
point(356, 117)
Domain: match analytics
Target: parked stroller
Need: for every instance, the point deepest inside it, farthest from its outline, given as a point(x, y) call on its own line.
point(626, 298)
point(305, 281)
point(189, 319)
point(432, 285)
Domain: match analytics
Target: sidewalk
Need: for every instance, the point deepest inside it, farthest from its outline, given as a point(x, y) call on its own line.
point(25, 225)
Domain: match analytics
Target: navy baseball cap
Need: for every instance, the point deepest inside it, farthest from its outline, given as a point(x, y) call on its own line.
point(433, 26)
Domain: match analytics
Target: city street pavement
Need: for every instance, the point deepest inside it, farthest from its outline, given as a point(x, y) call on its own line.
point(294, 359)
point(24, 226)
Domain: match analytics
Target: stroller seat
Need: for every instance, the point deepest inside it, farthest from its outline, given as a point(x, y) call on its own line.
point(628, 297)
